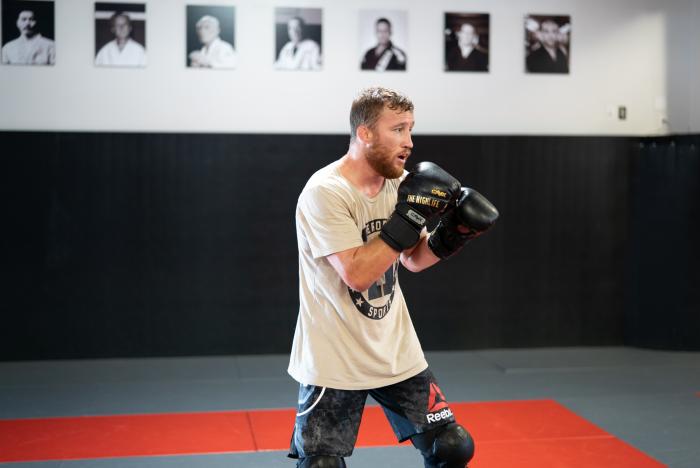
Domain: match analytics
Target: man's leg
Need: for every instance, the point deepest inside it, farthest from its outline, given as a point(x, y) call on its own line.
point(418, 410)
point(326, 425)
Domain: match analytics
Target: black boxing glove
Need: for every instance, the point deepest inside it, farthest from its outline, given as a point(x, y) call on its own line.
point(424, 194)
point(473, 212)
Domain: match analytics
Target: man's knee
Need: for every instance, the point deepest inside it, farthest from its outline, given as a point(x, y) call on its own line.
point(321, 461)
point(448, 446)
point(453, 446)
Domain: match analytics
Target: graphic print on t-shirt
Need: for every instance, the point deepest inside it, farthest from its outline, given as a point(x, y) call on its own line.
point(375, 303)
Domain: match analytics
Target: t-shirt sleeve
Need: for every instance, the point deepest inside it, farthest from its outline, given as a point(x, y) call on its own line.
point(325, 218)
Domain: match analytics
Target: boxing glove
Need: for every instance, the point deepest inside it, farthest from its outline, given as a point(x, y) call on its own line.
point(425, 193)
point(473, 213)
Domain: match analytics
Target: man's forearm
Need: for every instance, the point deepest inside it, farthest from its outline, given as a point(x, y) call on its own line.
point(362, 266)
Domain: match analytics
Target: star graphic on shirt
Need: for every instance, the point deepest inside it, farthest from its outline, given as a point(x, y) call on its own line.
point(359, 301)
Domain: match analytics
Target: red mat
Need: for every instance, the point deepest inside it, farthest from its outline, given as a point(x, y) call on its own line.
point(533, 433)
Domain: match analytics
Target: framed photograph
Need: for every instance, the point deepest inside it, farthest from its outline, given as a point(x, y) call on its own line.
point(28, 33)
point(298, 38)
point(547, 41)
point(211, 37)
point(467, 42)
point(383, 38)
point(120, 34)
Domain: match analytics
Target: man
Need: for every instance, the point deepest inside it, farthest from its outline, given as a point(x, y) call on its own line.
point(385, 56)
point(355, 221)
point(30, 48)
point(548, 56)
point(467, 56)
point(215, 52)
point(298, 53)
point(122, 51)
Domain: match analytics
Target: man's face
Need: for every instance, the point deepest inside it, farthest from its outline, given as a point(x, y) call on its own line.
point(26, 23)
point(207, 31)
point(390, 143)
point(465, 35)
point(121, 28)
point(549, 32)
point(294, 30)
point(383, 33)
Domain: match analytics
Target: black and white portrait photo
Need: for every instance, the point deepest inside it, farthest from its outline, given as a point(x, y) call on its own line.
point(211, 37)
point(298, 38)
point(383, 38)
point(467, 42)
point(28, 33)
point(120, 34)
point(547, 40)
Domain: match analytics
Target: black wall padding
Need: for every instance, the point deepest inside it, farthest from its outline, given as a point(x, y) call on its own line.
point(184, 244)
point(664, 293)
point(551, 271)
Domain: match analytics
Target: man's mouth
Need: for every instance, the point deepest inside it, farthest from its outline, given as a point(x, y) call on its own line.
point(404, 156)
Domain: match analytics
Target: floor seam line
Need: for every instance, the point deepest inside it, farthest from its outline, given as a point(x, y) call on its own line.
point(252, 432)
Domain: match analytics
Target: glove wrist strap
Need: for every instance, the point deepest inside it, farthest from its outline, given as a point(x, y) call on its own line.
point(399, 233)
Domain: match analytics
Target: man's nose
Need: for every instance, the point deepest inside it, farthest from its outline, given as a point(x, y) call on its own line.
point(409, 141)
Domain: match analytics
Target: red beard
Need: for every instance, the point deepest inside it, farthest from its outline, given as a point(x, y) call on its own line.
point(382, 161)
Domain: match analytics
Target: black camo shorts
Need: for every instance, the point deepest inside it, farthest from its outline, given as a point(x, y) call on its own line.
point(328, 419)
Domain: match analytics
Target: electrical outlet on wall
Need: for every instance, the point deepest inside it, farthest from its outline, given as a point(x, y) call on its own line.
point(622, 112)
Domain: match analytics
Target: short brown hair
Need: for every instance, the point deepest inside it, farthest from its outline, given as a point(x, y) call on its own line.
point(370, 103)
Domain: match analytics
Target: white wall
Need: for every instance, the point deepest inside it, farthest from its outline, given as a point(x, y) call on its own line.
point(683, 67)
point(618, 55)
point(693, 77)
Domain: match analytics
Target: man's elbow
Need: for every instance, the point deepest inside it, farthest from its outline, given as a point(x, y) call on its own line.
point(357, 279)
point(354, 276)
point(357, 283)
point(410, 266)
point(414, 268)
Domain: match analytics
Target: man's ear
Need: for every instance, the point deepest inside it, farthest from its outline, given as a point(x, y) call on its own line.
point(364, 134)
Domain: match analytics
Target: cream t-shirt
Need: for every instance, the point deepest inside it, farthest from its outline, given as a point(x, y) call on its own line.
point(348, 339)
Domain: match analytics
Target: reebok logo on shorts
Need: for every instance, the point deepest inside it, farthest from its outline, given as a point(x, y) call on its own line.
point(436, 400)
point(437, 405)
